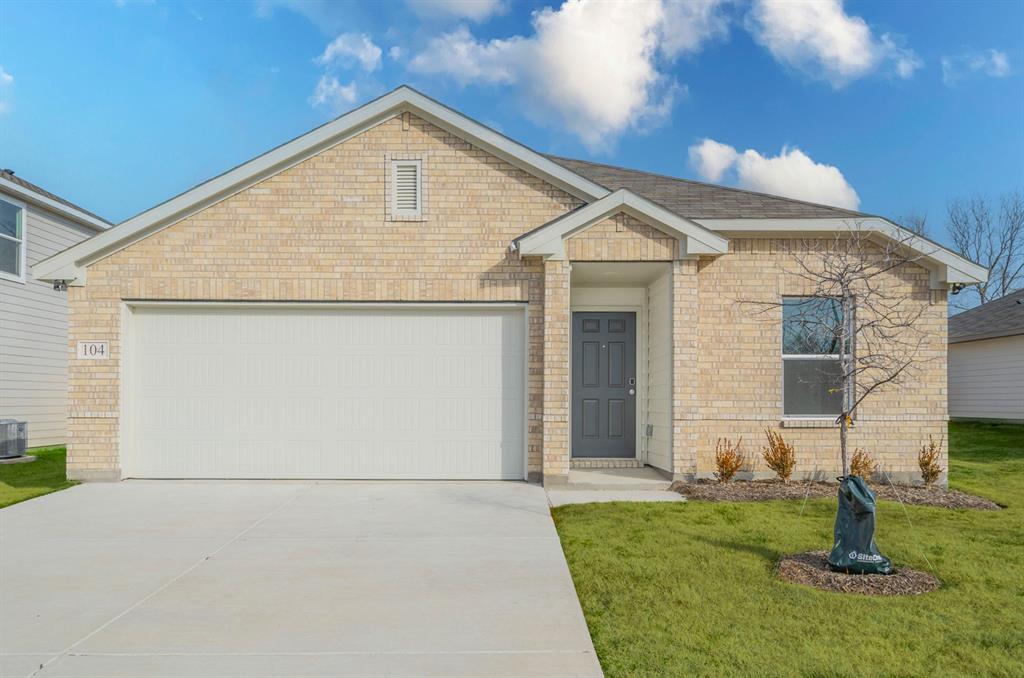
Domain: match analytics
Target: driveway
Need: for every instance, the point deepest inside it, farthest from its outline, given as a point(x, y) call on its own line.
point(220, 578)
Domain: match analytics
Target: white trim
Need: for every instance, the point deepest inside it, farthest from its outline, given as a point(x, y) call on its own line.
point(8, 186)
point(947, 267)
point(326, 304)
point(22, 275)
point(70, 264)
point(549, 240)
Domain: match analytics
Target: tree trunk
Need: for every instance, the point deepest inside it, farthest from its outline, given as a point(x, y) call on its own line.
point(842, 445)
point(846, 360)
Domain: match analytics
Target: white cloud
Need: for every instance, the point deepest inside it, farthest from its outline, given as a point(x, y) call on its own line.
point(689, 24)
point(472, 10)
point(822, 40)
point(992, 63)
point(6, 80)
point(397, 53)
point(466, 60)
point(591, 67)
point(349, 47)
point(791, 173)
point(712, 159)
point(331, 94)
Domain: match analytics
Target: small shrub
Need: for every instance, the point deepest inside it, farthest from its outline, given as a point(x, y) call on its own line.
point(779, 455)
point(861, 464)
point(928, 461)
point(728, 459)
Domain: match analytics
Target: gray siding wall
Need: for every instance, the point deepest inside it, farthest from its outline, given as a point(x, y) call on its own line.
point(34, 334)
point(986, 379)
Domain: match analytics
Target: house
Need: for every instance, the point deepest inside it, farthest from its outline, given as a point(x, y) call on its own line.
point(986, 361)
point(405, 293)
point(35, 224)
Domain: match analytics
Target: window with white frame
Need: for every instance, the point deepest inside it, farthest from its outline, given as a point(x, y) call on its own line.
point(12, 239)
point(812, 370)
point(406, 188)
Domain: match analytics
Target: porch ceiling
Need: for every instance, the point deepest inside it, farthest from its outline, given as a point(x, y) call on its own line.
point(616, 274)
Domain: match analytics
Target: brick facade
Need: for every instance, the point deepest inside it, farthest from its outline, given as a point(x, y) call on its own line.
point(739, 385)
point(319, 231)
point(621, 238)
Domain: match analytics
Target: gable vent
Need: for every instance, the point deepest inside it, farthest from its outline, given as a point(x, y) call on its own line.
point(407, 194)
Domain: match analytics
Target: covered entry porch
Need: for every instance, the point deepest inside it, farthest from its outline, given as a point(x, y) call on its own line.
point(620, 365)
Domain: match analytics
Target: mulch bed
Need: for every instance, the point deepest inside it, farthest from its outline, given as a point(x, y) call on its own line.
point(811, 569)
point(767, 490)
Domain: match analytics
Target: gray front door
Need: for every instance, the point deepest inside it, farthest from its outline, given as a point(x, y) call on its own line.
point(603, 384)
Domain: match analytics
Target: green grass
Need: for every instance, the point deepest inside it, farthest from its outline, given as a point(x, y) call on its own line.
point(46, 474)
point(688, 588)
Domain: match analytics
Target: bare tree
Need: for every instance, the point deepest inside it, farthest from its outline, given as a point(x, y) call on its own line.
point(992, 236)
point(863, 328)
point(914, 221)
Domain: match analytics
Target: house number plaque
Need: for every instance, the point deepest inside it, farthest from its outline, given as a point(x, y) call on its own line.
point(93, 350)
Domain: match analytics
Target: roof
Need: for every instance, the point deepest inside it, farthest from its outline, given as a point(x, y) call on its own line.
point(1003, 317)
point(720, 209)
point(73, 210)
point(697, 200)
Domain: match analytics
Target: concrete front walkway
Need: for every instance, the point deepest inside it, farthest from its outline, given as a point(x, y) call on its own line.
point(148, 578)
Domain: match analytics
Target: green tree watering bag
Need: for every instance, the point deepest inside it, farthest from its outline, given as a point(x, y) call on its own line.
point(855, 551)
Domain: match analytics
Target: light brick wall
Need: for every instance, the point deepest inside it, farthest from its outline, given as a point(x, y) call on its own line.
point(739, 389)
point(621, 237)
point(318, 232)
point(556, 371)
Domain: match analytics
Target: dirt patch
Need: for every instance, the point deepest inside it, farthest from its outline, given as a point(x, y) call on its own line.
point(767, 490)
point(811, 569)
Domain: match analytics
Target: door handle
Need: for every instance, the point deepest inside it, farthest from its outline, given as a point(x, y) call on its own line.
point(632, 391)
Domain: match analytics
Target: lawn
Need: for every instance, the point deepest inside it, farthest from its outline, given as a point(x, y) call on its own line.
point(688, 589)
point(46, 474)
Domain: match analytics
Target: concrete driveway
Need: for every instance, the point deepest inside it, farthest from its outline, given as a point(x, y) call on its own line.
point(159, 578)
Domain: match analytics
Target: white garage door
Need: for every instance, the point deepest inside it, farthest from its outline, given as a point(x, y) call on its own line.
point(319, 392)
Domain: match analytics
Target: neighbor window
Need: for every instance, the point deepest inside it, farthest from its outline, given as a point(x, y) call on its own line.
point(811, 357)
point(406, 188)
point(12, 240)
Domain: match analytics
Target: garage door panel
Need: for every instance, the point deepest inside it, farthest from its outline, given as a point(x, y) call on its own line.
point(291, 392)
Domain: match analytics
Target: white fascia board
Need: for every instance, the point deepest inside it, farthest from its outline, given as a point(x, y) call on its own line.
point(946, 265)
point(77, 215)
point(70, 264)
point(549, 241)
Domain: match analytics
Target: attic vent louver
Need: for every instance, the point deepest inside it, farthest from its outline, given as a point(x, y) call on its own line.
point(406, 188)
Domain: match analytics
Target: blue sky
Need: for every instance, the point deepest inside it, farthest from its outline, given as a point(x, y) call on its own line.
point(891, 107)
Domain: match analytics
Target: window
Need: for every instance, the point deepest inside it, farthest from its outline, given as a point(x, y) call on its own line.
point(811, 361)
point(12, 240)
point(406, 189)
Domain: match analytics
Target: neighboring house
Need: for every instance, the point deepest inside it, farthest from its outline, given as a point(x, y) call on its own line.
point(405, 293)
point(986, 361)
point(35, 224)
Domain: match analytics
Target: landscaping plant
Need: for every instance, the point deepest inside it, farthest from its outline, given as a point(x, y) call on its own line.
point(728, 459)
point(861, 464)
point(779, 455)
point(928, 461)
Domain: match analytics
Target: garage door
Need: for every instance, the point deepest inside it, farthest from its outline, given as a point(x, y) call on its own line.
point(296, 391)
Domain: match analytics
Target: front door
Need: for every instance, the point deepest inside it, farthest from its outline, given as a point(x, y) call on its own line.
point(603, 384)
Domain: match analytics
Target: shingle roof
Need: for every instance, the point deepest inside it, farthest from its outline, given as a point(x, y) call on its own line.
point(696, 200)
point(1003, 317)
point(28, 185)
